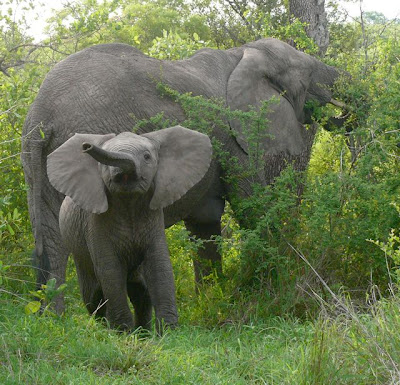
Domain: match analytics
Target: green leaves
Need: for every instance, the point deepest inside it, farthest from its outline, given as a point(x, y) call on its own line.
point(391, 249)
point(32, 307)
point(44, 295)
point(3, 269)
point(172, 46)
point(10, 223)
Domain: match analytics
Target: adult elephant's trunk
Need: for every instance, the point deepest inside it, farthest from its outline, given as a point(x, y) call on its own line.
point(110, 158)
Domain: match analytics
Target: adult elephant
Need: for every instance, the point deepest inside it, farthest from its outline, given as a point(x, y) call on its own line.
point(106, 88)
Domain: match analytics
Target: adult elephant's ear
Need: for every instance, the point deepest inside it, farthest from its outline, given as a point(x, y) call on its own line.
point(76, 174)
point(270, 68)
point(247, 86)
point(184, 158)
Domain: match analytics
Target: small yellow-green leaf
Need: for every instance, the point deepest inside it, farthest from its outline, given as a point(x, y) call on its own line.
point(41, 133)
point(15, 214)
point(32, 307)
point(10, 229)
point(61, 287)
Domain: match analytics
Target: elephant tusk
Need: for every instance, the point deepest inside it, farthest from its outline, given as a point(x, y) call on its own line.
point(338, 103)
point(346, 110)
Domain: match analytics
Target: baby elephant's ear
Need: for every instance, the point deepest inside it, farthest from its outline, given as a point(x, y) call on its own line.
point(184, 158)
point(76, 174)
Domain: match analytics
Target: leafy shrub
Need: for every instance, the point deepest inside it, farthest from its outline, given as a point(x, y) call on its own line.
point(172, 46)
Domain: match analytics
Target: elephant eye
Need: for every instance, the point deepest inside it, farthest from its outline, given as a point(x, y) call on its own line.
point(147, 156)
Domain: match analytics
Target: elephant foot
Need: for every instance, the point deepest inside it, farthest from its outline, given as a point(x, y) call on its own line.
point(120, 319)
point(162, 326)
point(122, 326)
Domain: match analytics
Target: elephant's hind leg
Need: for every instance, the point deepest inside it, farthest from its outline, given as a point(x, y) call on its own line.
point(52, 263)
point(208, 259)
point(95, 302)
point(90, 288)
point(205, 223)
point(140, 298)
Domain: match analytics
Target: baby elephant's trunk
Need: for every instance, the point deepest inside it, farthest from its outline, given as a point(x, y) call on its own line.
point(110, 158)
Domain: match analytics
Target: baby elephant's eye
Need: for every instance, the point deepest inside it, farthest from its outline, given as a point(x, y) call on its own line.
point(147, 156)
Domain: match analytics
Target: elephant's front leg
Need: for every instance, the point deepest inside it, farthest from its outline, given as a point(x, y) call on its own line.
point(112, 276)
point(160, 282)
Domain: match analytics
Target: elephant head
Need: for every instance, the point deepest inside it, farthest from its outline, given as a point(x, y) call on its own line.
point(165, 164)
point(269, 68)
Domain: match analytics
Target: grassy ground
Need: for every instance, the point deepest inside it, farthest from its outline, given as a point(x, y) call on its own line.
point(74, 349)
point(222, 339)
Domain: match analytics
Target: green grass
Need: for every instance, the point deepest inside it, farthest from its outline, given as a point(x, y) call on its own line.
point(74, 349)
point(226, 336)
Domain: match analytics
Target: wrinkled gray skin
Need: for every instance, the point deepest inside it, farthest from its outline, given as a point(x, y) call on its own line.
point(104, 88)
point(112, 218)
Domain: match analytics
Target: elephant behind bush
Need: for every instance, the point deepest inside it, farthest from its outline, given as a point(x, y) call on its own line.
point(107, 88)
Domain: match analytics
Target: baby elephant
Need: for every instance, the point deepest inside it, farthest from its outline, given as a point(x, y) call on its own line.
point(116, 187)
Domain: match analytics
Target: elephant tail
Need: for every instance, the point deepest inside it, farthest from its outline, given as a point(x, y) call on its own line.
point(37, 178)
point(32, 162)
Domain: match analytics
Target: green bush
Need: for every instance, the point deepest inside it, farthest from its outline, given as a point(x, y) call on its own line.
point(171, 46)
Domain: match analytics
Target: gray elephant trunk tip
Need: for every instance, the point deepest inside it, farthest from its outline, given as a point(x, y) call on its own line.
point(86, 147)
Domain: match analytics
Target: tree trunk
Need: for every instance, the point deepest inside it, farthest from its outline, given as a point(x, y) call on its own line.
point(313, 13)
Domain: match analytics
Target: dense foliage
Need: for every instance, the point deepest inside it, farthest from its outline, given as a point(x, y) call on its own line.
point(341, 223)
